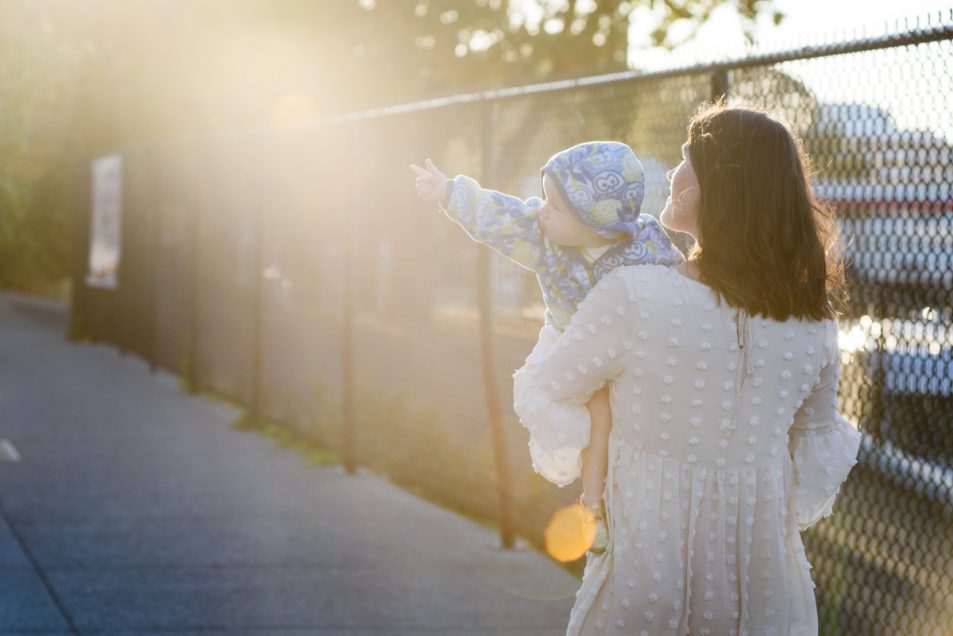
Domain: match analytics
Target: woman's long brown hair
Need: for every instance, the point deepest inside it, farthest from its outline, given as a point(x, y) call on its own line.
point(764, 241)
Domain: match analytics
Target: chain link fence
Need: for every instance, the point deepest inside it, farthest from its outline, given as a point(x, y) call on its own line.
point(295, 272)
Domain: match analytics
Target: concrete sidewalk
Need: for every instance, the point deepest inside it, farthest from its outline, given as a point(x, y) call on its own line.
point(137, 509)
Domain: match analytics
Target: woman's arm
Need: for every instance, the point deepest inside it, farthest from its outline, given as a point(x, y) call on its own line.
point(551, 394)
point(823, 445)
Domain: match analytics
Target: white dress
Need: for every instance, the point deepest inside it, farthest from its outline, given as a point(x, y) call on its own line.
point(725, 443)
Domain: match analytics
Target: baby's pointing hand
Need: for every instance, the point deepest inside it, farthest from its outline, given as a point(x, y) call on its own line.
point(431, 183)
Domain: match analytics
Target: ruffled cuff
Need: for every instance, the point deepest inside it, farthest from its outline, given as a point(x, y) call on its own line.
point(822, 460)
point(558, 434)
point(558, 430)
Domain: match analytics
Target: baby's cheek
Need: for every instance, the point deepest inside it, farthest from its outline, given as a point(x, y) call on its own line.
point(545, 218)
point(555, 234)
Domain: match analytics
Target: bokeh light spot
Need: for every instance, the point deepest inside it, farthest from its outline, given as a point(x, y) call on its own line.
point(569, 533)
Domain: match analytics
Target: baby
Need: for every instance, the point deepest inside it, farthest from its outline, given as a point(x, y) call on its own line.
point(588, 223)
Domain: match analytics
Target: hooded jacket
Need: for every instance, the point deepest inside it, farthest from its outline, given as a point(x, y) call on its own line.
point(603, 184)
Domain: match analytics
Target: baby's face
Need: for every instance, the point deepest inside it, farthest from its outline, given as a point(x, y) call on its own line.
point(560, 225)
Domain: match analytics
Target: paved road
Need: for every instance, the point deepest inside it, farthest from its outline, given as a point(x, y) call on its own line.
point(136, 509)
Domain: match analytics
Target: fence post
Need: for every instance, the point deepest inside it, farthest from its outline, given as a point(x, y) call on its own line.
point(347, 317)
point(258, 228)
point(720, 83)
point(488, 357)
point(192, 344)
point(79, 323)
point(155, 240)
point(124, 293)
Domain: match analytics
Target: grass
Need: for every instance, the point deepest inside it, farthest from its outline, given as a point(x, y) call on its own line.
point(287, 437)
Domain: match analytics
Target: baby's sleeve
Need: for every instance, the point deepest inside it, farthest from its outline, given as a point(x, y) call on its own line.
point(653, 246)
point(659, 247)
point(551, 390)
point(823, 445)
point(504, 222)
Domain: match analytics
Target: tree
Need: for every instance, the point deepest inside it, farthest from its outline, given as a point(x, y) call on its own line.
point(440, 47)
point(36, 107)
point(85, 78)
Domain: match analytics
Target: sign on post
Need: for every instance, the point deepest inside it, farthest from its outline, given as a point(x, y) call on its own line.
point(105, 233)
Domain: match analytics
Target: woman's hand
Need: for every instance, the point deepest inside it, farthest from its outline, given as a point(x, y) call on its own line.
point(431, 183)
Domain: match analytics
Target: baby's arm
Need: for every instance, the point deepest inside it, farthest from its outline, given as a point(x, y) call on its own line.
point(504, 222)
point(595, 457)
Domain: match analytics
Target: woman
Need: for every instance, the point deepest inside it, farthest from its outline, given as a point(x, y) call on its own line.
point(723, 376)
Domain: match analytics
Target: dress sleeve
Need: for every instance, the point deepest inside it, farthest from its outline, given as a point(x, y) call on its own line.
point(552, 388)
point(504, 222)
point(823, 445)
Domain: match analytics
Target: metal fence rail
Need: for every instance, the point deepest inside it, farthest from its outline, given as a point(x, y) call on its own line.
point(294, 271)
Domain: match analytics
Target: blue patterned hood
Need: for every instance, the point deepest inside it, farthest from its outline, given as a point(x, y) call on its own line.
point(603, 183)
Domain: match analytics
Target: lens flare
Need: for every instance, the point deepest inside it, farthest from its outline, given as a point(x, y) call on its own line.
point(569, 533)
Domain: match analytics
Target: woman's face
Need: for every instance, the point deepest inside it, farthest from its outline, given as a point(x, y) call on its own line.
point(681, 207)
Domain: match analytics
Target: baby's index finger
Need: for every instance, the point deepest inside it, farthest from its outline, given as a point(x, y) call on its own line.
point(420, 171)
